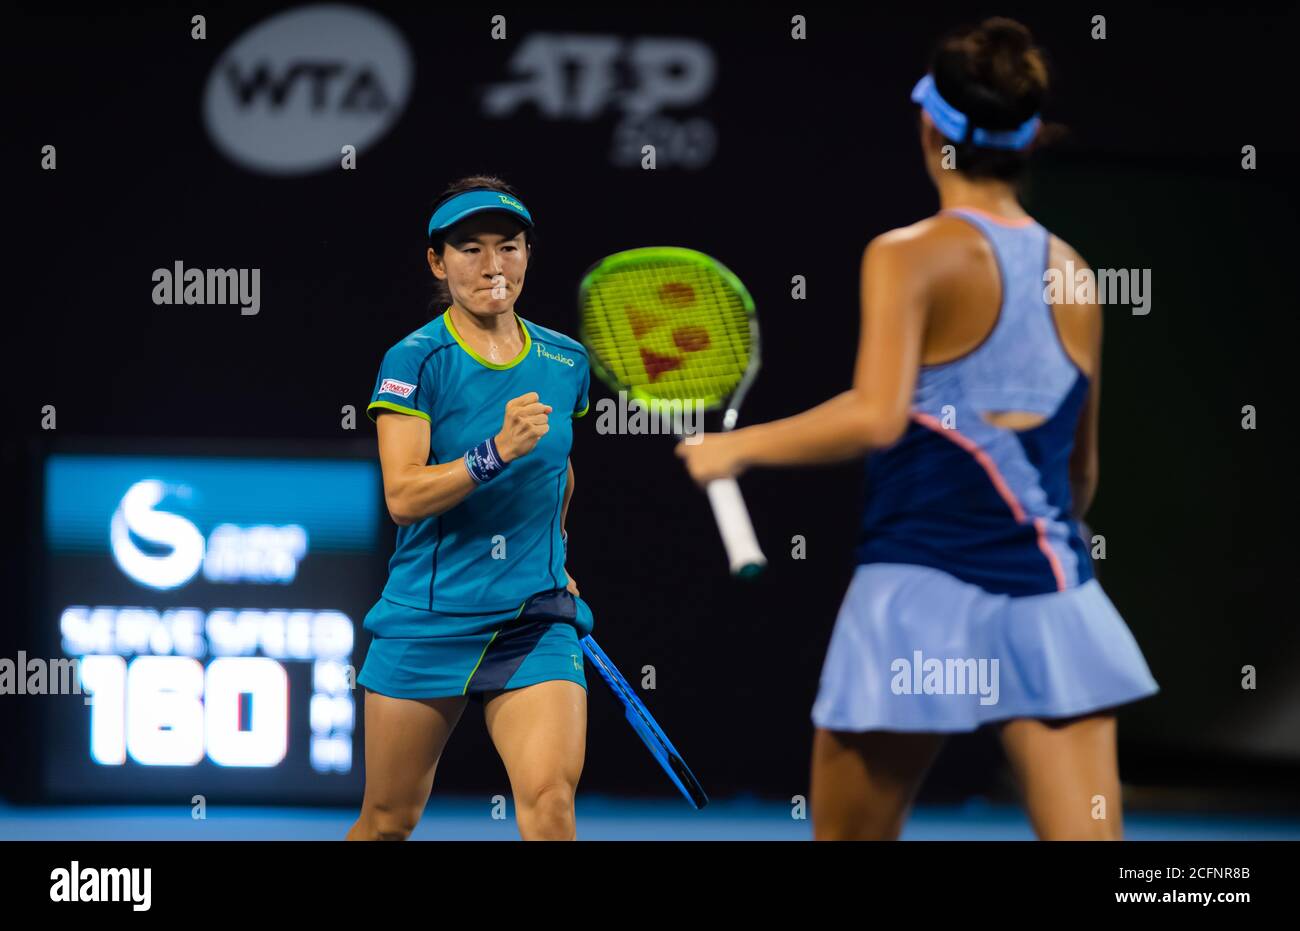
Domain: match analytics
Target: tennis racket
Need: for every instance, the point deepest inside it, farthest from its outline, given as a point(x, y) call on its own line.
point(675, 326)
point(651, 734)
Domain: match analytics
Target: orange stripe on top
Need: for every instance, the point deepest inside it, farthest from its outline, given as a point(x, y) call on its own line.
point(1000, 485)
point(1057, 570)
point(992, 217)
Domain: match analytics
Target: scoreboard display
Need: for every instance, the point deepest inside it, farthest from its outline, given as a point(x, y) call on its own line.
point(213, 608)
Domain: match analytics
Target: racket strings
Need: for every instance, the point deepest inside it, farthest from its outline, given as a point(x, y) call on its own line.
point(669, 330)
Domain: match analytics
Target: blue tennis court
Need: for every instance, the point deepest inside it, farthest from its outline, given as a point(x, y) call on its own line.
point(599, 818)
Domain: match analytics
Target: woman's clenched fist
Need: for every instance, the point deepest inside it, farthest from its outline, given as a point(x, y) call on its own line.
point(525, 423)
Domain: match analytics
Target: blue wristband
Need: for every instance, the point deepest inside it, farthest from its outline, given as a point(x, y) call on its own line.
point(483, 462)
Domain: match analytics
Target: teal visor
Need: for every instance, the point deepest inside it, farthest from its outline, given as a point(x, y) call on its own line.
point(469, 203)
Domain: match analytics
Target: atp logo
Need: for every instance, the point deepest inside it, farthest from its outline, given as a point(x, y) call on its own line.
point(582, 77)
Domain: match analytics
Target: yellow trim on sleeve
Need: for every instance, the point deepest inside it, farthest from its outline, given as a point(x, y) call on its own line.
point(583, 412)
point(390, 406)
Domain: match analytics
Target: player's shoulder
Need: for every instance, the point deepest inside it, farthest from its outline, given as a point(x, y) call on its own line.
point(554, 339)
point(930, 244)
point(1061, 253)
point(428, 339)
point(927, 233)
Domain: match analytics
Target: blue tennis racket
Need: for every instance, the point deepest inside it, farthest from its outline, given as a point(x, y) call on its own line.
point(651, 734)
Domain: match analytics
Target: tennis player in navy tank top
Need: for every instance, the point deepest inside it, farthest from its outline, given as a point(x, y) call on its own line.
point(975, 402)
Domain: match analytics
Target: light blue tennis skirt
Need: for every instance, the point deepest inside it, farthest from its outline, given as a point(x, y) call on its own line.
point(915, 649)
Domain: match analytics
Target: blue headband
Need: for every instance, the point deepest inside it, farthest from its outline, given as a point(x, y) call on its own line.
point(478, 201)
point(953, 123)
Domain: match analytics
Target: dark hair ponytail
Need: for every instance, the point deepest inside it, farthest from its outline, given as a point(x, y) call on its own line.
point(997, 76)
point(437, 242)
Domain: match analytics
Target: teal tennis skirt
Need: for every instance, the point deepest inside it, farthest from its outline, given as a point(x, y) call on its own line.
point(472, 655)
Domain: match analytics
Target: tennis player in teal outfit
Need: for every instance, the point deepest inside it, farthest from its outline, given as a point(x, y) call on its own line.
point(475, 412)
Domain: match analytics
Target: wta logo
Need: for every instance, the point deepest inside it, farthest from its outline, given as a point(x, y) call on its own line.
point(289, 94)
point(163, 550)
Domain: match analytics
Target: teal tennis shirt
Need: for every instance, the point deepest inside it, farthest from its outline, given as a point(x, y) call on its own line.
point(502, 543)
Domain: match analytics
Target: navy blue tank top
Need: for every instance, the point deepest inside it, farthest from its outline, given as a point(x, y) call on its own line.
point(987, 504)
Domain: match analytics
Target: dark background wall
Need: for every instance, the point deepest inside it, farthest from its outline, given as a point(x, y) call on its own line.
point(816, 153)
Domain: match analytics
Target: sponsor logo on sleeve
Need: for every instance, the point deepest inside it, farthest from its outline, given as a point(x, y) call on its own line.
point(399, 388)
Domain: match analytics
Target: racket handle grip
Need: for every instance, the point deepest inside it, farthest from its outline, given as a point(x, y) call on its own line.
point(733, 523)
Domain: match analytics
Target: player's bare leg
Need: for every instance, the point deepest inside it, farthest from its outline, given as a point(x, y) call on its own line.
point(1068, 771)
point(404, 740)
point(541, 733)
point(863, 784)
